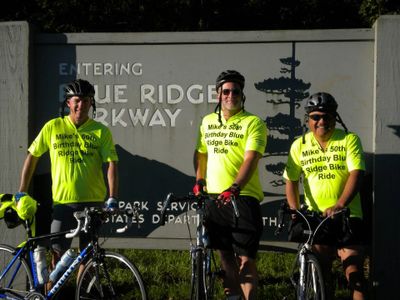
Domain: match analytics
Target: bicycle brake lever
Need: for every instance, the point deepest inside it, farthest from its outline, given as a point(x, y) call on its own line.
point(235, 207)
point(346, 220)
point(125, 228)
point(134, 214)
point(279, 229)
point(164, 208)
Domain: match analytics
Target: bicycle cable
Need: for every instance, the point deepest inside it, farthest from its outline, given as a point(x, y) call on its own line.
point(187, 225)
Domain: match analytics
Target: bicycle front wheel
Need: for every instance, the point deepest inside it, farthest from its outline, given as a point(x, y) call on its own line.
point(209, 274)
point(18, 279)
point(313, 287)
point(197, 290)
point(111, 277)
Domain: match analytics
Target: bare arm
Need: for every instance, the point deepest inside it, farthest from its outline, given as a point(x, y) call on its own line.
point(247, 168)
point(292, 194)
point(351, 188)
point(200, 164)
point(113, 179)
point(27, 172)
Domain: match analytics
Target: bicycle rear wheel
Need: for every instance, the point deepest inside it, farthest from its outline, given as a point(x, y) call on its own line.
point(112, 277)
point(314, 286)
point(18, 278)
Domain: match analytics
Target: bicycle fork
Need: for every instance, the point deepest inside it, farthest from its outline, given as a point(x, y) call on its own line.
point(302, 276)
point(206, 273)
point(307, 273)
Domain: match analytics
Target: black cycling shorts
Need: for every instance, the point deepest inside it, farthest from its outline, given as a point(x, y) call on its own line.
point(240, 235)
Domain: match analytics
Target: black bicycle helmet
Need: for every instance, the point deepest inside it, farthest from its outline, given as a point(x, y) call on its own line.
point(79, 88)
point(321, 102)
point(229, 76)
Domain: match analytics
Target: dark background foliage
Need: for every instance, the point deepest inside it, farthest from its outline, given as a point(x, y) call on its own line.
point(54, 16)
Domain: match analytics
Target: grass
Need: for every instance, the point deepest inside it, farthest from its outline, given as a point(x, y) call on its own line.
point(166, 274)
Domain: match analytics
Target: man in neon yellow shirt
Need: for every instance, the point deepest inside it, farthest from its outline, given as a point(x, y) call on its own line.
point(230, 143)
point(78, 146)
point(332, 163)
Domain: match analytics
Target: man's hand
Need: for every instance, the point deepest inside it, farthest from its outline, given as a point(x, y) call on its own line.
point(200, 187)
point(225, 196)
point(111, 203)
point(330, 211)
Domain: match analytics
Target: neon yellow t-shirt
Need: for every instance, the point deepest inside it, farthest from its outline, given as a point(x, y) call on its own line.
point(326, 173)
point(76, 156)
point(225, 147)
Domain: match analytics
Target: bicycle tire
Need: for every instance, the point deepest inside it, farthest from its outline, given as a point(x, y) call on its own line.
point(22, 282)
point(114, 277)
point(314, 282)
point(197, 290)
point(209, 274)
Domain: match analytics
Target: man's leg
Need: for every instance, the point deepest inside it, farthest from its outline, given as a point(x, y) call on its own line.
point(62, 220)
point(352, 258)
point(248, 277)
point(231, 281)
point(246, 237)
point(84, 238)
point(326, 255)
point(57, 249)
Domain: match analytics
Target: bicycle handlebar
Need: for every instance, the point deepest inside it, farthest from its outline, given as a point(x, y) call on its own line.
point(304, 213)
point(83, 218)
point(172, 198)
point(192, 198)
point(74, 232)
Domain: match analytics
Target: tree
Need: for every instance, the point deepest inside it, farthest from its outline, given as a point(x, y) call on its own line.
point(289, 91)
point(54, 16)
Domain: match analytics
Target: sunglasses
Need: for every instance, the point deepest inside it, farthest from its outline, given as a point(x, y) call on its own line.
point(235, 92)
point(326, 117)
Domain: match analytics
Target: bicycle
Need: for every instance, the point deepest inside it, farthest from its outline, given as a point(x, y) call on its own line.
point(106, 274)
point(203, 263)
point(307, 276)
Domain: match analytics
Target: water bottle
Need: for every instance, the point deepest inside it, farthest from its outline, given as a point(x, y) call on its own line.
point(39, 256)
point(112, 203)
point(65, 261)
